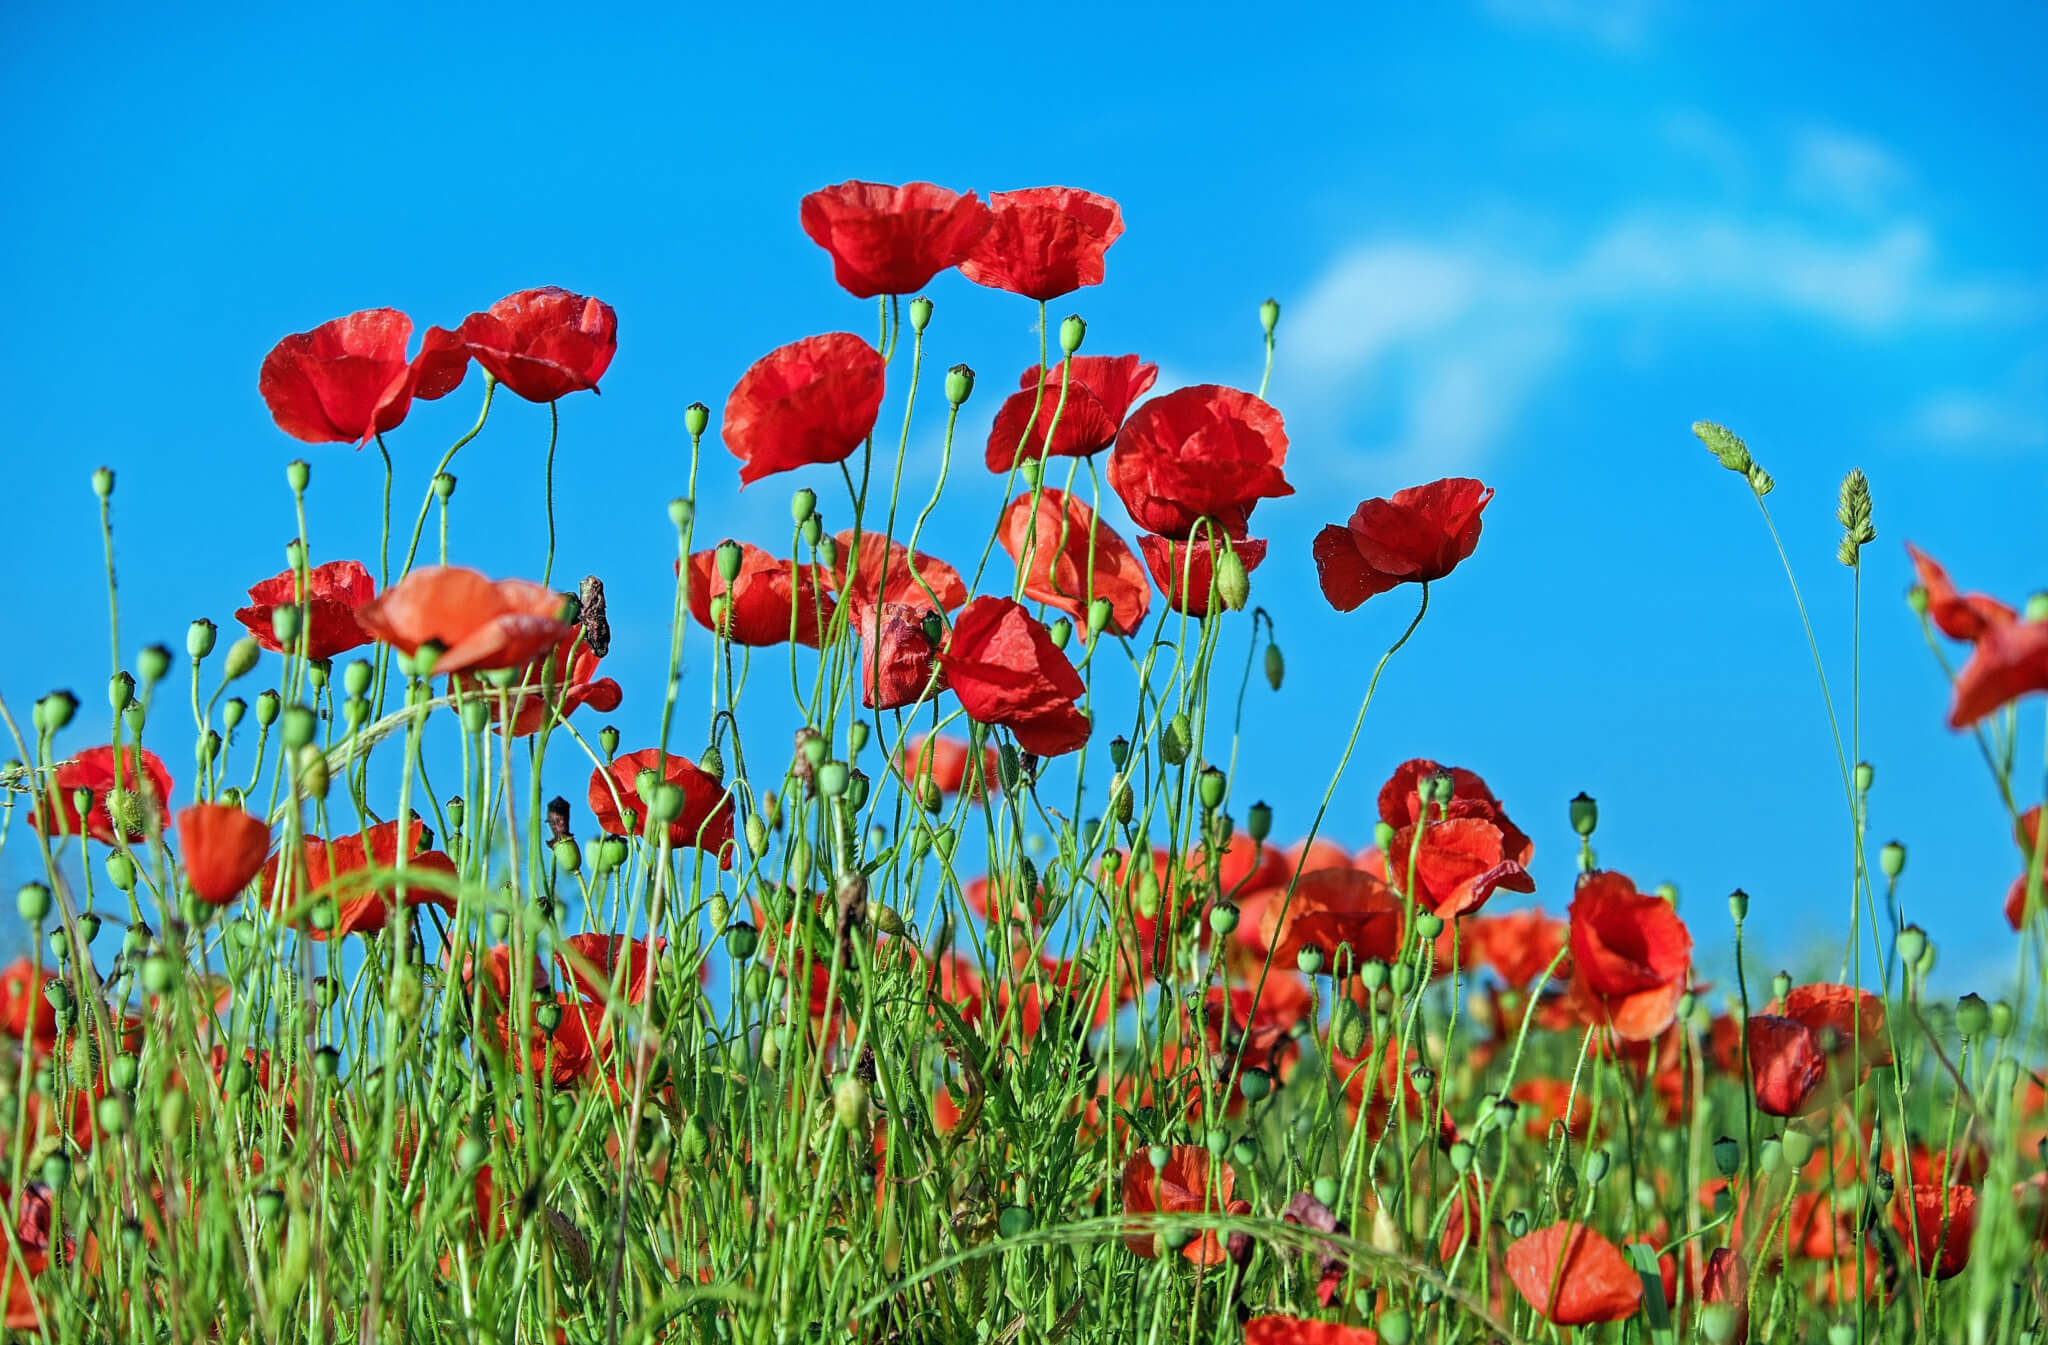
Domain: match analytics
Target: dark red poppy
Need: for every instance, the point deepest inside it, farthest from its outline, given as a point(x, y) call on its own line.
point(342, 382)
point(477, 623)
point(1786, 1064)
point(333, 593)
point(892, 240)
point(1185, 571)
point(1201, 452)
point(1519, 944)
point(1043, 242)
point(1458, 865)
point(136, 798)
point(223, 848)
point(542, 344)
point(705, 821)
point(944, 761)
point(768, 600)
point(358, 870)
point(1331, 908)
point(1574, 1277)
point(1960, 616)
point(565, 679)
point(1937, 1223)
point(897, 656)
point(2010, 661)
point(1631, 955)
point(811, 401)
point(1002, 664)
point(603, 953)
point(1400, 803)
point(1070, 555)
point(24, 1011)
point(1190, 1183)
point(1036, 423)
point(891, 574)
point(1418, 536)
point(1277, 1330)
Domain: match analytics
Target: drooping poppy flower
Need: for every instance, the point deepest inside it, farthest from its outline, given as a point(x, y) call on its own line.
point(1190, 1183)
point(358, 871)
point(125, 801)
point(1960, 616)
point(1069, 555)
point(1458, 865)
point(1418, 536)
point(342, 382)
point(542, 344)
point(1185, 571)
point(559, 685)
point(1519, 944)
point(1574, 1277)
point(1724, 1279)
point(24, 1010)
point(1937, 1223)
point(869, 572)
point(604, 952)
point(1069, 410)
point(223, 848)
point(1400, 803)
point(892, 240)
point(333, 593)
point(1849, 1029)
point(1785, 1064)
point(1332, 909)
point(1200, 452)
point(812, 401)
point(1002, 664)
point(768, 600)
point(705, 821)
point(1630, 957)
point(944, 761)
point(897, 657)
point(1043, 242)
point(476, 623)
point(1277, 1330)
point(2010, 661)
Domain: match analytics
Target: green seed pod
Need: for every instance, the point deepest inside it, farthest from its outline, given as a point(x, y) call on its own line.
point(114, 1114)
point(1797, 1147)
point(2001, 1022)
point(1276, 666)
point(1781, 985)
point(199, 638)
point(696, 419)
point(1738, 905)
point(1255, 1084)
point(242, 657)
point(1585, 814)
point(159, 975)
point(32, 900)
point(1973, 1015)
point(757, 835)
point(548, 1016)
point(813, 532)
point(57, 1170)
point(120, 691)
point(1719, 1323)
point(727, 558)
point(1258, 821)
point(1119, 751)
point(1217, 1141)
point(121, 870)
point(1061, 632)
point(1912, 945)
point(297, 473)
point(1099, 614)
point(1072, 332)
point(1891, 859)
point(60, 945)
point(1770, 1155)
point(1269, 318)
point(959, 385)
point(1866, 776)
point(831, 779)
point(1223, 918)
point(568, 855)
point(857, 787)
point(1014, 1222)
point(1309, 959)
point(1210, 786)
point(741, 939)
point(1428, 924)
point(443, 486)
point(154, 663)
point(1324, 1189)
point(1461, 1156)
point(122, 1072)
point(1395, 1327)
point(284, 625)
point(55, 711)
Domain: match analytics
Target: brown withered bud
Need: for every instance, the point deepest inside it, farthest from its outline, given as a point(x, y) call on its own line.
point(597, 631)
point(800, 762)
point(851, 897)
point(558, 819)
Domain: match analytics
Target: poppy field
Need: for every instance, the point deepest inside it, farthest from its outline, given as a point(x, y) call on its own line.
point(952, 986)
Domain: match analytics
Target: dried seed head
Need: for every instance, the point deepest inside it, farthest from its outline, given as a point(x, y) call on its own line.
point(597, 631)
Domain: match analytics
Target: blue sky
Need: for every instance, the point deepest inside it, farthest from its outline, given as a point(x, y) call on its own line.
point(1530, 240)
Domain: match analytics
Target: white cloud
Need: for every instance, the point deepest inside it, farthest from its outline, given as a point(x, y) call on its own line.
point(2013, 415)
point(1621, 24)
point(1833, 168)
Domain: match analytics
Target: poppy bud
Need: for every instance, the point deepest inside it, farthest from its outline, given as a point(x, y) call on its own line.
point(568, 855)
point(120, 691)
point(850, 1103)
point(2037, 607)
point(1348, 1027)
point(33, 901)
point(1119, 751)
point(1258, 821)
point(114, 1114)
point(1276, 667)
point(1210, 785)
point(959, 384)
point(2001, 1020)
point(54, 711)
point(828, 549)
point(1309, 959)
point(548, 1017)
point(1669, 892)
point(1891, 859)
point(476, 715)
point(727, 558)
point(681, 513)
point(1061, 632)
point(1738, 905)
point(802, 505)
point(696, 419)
point(667, 804)
point(1973, 1015)
point(1916, 598)
point(103, 481)
point(1585, 813)
point(1176, 739)
point(1099, 613)
point(1233, 585)
point(1255, 1084)
point(1072, 332)
point(856, 790)
point(920, 314)
point(831, 777)
point(121, 870)
point(1781, 985)
point(712, 762)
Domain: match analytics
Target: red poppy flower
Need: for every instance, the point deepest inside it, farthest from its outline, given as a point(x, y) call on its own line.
point(897, 656)
point(603, 952)
point(223, 849)
point(358, 870)
point(1574, 1277)
point(1200, 452)
point(1418, 536)
point(1185, 571)
point(333, 593)
point(891, 574)
point(24, 1011)
point(769, 598)
point(1035, 423)
point(1043, 242)
point(1190, 1183)
point(1960, 616)
point(1400, 803)
point(569, 690)
point(137, 799)
point(1937, 1224)
point(705, 821)
point(1545, 1101)
point(1630, 957)
point(811, 401)
point(1332, 908)
point(1786, 1065)
point(2010, 661)
point(892, 240)
point(567, 1054)
point(1002, 664)
point(1849, 1030)
point(2028, 830)
point(1276, 1330)
point(343, 381)
point(33, 1237)
point(1519, 944)
point(2016, 902)
point(477, 623)
point(944, 762)
point(1458, 865)
point(542, 344)
point(1069, 554)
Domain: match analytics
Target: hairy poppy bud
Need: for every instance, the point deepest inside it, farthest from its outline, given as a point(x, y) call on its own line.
point(959, 384)
point(1348, 1027)
point(242, 656)
point(1233, 585)
point(1276, 666)
point(1738, 905)
point(920, 314)
point(1072, 332)
point(712, 763)
point(1258, 821)
point(1176, 739)
point(696, 419)
point(1061, 632)
point(1585, 814)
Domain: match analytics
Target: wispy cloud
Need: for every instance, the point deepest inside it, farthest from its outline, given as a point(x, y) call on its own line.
point(1620, 24)
point(1833, 168)
point(2013, 414)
